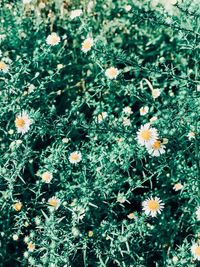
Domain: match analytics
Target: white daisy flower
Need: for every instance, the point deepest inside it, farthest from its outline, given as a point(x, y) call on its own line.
point(112, 73)
point(75, 157)
point(156, 149)
point(25, 2)
point(191, 135)
point(198, 213)
point(195, 249)
point(76, 13)
point(47, 177)
point(31, 246)
point(178, 187)
point(53, 39)
point(126, 122)
point(147, 135)
point(144, 110)
point(4, 67)
point(54, 202)
point(22, 123)
point(121, 198)
point(101, 116)
point(156, 93)
point(152, 206)
point(87, 44)
point(127, 110)
point(153, 119)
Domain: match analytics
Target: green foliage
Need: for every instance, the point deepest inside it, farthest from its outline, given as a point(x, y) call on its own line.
point(91, 213)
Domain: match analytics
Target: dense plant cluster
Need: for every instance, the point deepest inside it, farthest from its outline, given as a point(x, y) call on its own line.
point(99, 133)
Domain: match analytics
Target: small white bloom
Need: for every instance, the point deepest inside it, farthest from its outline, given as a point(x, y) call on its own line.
point(26, 2)
point(87, 44)
point(128, 8)
point(22, 123)
point(127, 110)
point(4, 67)
point(178, 187)
point(65, 140)
point(198, 213)
point(156, 149)
point(144, 110)
point(153, 119)
point(191, 135)
point(195, 249)
point(147, 135)
point(47, 177)
point(126, 122)
point(121, 198)
point(152, 206)
point(112, 73)
point(15, 237)
point(75, 231)
point(54, 202)
point(101, 116)
point(31, 88)
point(75, 157)
point(53, 39)
point(156, 93)
point(75, 13)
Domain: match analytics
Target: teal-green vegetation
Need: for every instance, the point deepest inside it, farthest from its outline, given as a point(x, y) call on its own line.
point(99, 133)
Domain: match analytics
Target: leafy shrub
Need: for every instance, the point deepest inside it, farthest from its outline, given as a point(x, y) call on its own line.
point(99, 133)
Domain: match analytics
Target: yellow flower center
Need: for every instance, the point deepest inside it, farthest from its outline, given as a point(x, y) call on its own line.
point(17, 206)
point(46, 176)
point(53, 202)
point(156, 145)
point(74, 157)
point(112, 72)
point(153, 205)
point(197, 251)
point(19, 122)
point(2, 65)
point(86, 45)
point(31, 246)
point(146, 134)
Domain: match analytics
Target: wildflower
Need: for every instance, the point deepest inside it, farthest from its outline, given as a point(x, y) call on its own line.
point(17, 206)
point(54, 202)
point(195, 249)
point(198, 213)
point(60, 66)
point(156, 149)
point(31, 88)
point(165, 141)
point(153, 119)
point(144, 110)
point(121, 198)
point(178, 187)
point(128, 8)
point(3, 67)
point(75, 157)
point(22, 123)
point(90, 233)
point(102, 116)
point(127, 110)
point(47, 177)
point(191, 135)
point(26, 239)
point(156, 93)
point(147, 135)
point(15, 237)
point(25, 2)
point(65, 140)
point(126, 122)
point(87, 45)
point(76, 13)
point(53, 39)
point(75, 231)
point(152, 206)
point(112, 73)
point(31, 246)
point(131, 216)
